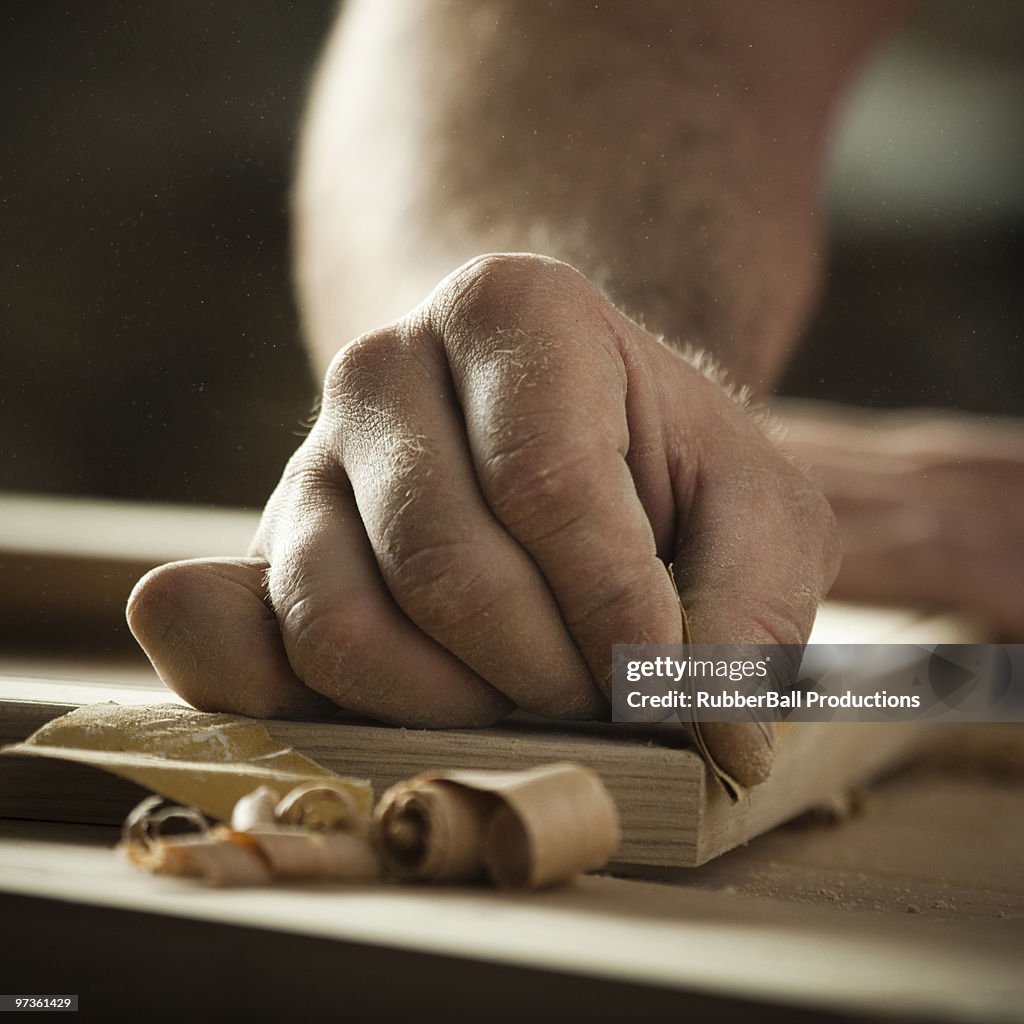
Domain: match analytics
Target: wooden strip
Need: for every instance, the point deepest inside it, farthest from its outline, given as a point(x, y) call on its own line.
point(673, 814)
point(638, 773)
point(852, 962)
point(69, 564)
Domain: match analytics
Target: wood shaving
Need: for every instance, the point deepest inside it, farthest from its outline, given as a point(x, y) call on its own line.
point(197, 759)
point(521, 830)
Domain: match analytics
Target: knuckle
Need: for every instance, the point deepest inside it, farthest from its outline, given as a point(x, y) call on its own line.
point(502, 286)
point(298, 501)
point(360, 368)
point(333, 649)
point(538, 492)
point(304, 473)
point(442, 586)
point(616, 601)
point(309, 477)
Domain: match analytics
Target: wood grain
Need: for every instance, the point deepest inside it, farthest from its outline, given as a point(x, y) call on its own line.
point(673, 813)
point(738, 947)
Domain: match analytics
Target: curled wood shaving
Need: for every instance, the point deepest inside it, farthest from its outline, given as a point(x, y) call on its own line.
point(221, 857)
point(523, 830)
point(296, 853)
point(261, 845)
point(156, 817)
point(322, 807)
point(431, 829)
point(519, 829)
point(255, 810)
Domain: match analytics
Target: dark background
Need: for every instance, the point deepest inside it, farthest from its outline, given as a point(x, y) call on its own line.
point(149, 342)
point(150, 345)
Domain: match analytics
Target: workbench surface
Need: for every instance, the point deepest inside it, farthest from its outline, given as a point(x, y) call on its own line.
point(914, 907)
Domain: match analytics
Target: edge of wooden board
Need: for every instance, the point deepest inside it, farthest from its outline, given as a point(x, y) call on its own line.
point(673, 814)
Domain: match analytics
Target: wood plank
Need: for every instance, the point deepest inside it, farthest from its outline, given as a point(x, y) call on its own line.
point(940, 843)
point(742, 948)
point(673, 813)
point(638, 771)
point(69, 564)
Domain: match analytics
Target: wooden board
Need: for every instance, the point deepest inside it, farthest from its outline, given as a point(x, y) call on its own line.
point(69, 564)
point(943, 842)
point(605, 948)
point(673, 813)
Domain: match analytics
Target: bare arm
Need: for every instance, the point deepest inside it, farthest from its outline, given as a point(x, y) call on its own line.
point(673, 153)
point(670, 152)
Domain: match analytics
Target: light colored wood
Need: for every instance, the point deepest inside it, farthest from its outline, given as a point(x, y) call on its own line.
point(69, 564)
point(42, 526)
point(682, 939)
point(945, 843)
point(639, 772)
point(673, 813)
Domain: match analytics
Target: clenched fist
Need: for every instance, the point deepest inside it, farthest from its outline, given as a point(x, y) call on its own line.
point(485, 505)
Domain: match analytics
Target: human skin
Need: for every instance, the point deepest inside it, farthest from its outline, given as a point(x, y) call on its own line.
point(929, 504)
point(671, 153)
point(498, 477)
point(486, 504)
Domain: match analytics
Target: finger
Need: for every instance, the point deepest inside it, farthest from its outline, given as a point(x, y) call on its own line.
point(212, 639)
point(451, 567)
point(756, 555)
point(344, 635)
point(541, 380)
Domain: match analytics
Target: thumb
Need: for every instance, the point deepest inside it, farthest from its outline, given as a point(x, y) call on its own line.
point(207, 628)
point(755, 556)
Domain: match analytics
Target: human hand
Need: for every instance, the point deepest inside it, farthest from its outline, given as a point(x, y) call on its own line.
point(930, 506)
point(485, 505)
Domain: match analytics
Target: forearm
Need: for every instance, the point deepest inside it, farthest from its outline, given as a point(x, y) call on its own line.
point(673, 156)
